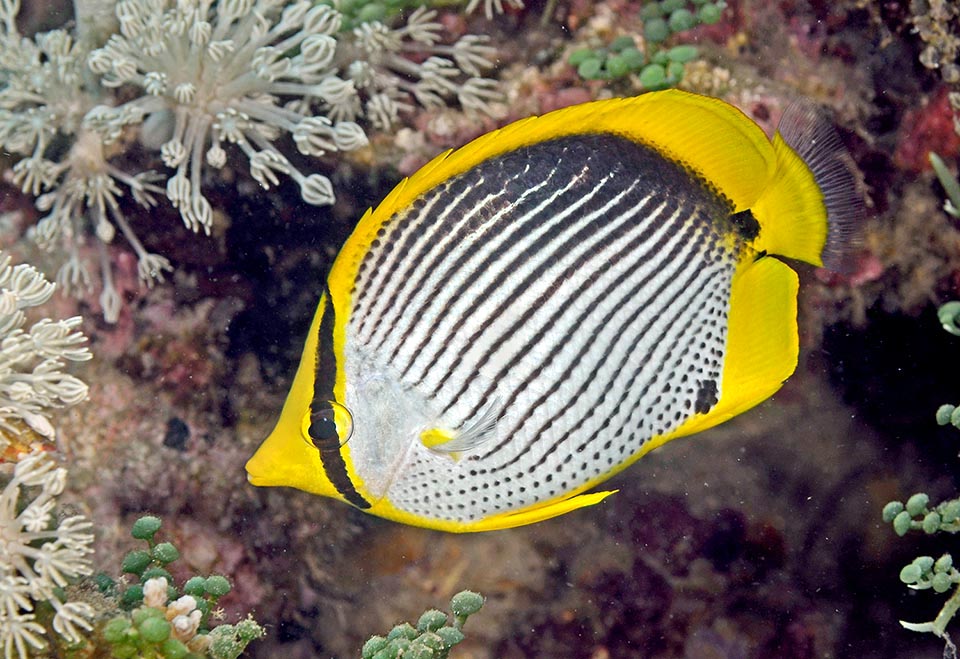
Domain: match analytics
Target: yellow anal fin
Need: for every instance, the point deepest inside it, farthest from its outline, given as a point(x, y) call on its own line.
point(762, 342)
point(538, 513)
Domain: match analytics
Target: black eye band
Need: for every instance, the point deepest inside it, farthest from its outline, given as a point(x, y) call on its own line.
point(323, 424)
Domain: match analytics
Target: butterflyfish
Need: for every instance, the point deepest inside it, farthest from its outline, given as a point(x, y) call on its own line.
point(529, 314)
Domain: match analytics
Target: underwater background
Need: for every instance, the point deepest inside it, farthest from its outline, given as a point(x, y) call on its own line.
point(191, 244)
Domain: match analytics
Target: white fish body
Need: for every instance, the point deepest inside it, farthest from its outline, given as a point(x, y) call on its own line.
point(527, 316)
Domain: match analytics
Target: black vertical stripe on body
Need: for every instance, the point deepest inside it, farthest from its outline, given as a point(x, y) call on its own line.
point(652, 300)
point(323, 428)
point(325, 367)
point(513, 229)
point(548, 248)
point(412, 232)
point(586, 282)
point(625, 391)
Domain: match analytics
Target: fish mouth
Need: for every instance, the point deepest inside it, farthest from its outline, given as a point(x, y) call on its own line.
point(252, 476)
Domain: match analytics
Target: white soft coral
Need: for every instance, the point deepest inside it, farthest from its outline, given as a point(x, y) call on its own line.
point(32, 379)
point(38, 555)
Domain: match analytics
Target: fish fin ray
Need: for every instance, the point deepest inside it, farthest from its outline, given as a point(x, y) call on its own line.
point(811, 134)
point(812, 208)
point(477, 432)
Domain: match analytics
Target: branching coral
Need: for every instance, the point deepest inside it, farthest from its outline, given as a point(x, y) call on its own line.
point(46, 93)
point(493, 6)
point(204, 78)
point(31, 361)
point(377, 61)
point(216, 75)
point(39, 555)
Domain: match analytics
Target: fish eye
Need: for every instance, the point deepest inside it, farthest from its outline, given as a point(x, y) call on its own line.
point(328, 423)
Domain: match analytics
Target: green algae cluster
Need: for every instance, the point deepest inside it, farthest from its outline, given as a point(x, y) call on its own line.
point(917, 513)
point(148, 630)
point(432, 638)
point(657, 65)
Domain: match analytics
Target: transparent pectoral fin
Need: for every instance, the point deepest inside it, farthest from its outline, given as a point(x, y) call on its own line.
point(476, 432)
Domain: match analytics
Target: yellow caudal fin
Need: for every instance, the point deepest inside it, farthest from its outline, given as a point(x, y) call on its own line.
point(762, 342)
point(539, 513)
point(811, 208)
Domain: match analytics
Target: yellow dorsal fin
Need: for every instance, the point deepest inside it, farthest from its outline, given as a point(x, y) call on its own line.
point(708, 136)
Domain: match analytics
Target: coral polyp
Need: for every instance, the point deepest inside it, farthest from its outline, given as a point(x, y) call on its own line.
point(207, 84)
